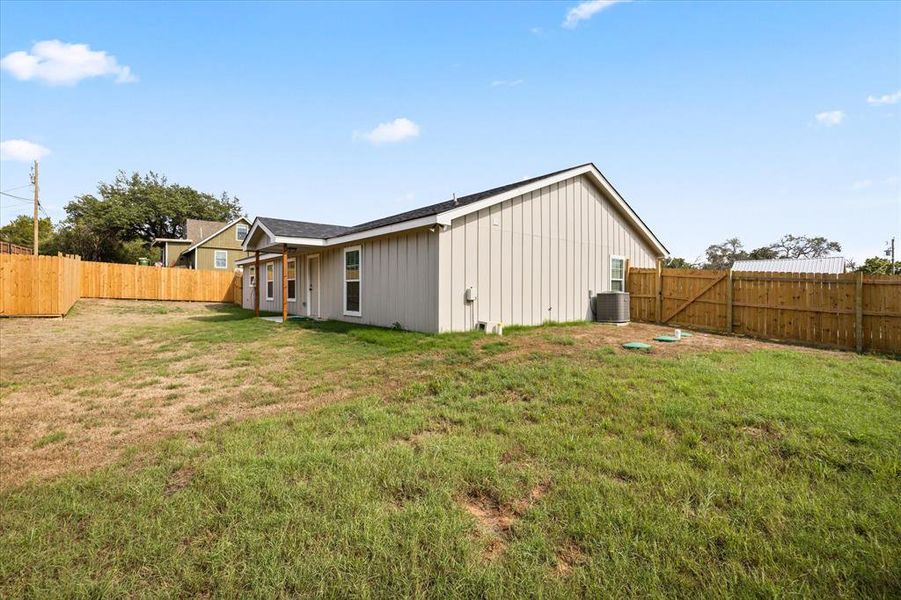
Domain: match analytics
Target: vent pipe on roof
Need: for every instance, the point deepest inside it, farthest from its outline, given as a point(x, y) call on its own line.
point(455, 198)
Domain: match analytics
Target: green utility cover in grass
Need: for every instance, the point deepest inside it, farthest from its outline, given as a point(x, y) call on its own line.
point(636, 346)
point(666, 338)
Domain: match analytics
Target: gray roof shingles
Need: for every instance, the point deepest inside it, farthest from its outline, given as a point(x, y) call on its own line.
point(301, 229)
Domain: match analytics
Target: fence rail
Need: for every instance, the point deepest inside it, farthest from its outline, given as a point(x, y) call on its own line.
point(849, 311)
point(50, 285)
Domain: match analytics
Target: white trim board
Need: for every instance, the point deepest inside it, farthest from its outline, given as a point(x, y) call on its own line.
point(249, 260)
point(359, 280)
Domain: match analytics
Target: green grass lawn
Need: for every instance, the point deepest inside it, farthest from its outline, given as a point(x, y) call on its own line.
point(563, 471)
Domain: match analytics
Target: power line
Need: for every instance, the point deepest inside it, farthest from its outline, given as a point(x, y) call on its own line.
point(29, 200)
point(16, 188)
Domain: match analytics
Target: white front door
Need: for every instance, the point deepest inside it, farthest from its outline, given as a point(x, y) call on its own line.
point(313, 286)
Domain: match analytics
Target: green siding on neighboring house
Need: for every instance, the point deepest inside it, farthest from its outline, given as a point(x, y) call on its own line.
point(227, 240)
point(206, 257)
point(173, 250)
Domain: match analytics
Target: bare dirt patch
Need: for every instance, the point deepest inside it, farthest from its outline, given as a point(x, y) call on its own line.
point(762, 432)
point(494, 521)
point(179, 480)
point(569, 555)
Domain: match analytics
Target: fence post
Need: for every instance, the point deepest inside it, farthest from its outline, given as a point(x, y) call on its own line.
point(858, 311)
point(659, 290)
point(729, 302)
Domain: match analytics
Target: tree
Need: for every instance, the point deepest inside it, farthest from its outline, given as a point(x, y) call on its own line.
point(763, 253)
point(125, 216)
point(675, 262)
point(21, 231)
point(721, 256)
point(876, 266)
point(790, 246)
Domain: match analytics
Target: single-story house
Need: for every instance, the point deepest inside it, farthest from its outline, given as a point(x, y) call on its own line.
point(206, 245)
point(523, 253)
point(829, 264)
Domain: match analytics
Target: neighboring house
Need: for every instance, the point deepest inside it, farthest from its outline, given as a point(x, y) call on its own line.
point(207, 245)
point(524, 253)
point(831, 264)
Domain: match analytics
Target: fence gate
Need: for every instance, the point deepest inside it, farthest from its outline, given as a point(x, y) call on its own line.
point(850, 310)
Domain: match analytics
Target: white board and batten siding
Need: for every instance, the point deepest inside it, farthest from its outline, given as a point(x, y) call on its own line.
point(399, 282)
point(535, 257)
point(531, 259)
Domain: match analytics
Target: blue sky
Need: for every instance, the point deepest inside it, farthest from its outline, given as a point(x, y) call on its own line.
point(712, 119)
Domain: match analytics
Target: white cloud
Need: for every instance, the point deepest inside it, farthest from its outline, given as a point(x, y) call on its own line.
point(22, 150)
point(507, 82)
point(830, 117)
point(586, 10)
point(398, 130)
point(59, 63)
point(884, 99)
point(862, 184)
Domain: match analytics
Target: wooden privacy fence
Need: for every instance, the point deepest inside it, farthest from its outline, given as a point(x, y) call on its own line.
point(50, 285)
point(850, 311)
point(38, 285)
point(135, 282)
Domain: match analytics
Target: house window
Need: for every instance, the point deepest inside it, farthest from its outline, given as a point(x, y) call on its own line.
point(352, 281)
point(253, 276)
point(270, 281)
point(241, 231)
point(617, 273)
point(292, 280)
point(221, 259)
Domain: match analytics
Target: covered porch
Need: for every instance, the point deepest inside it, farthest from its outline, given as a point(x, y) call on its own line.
point(296, 281)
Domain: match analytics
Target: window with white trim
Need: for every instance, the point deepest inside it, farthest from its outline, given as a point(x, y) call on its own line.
point(220, 260)
point(270, 281)
point(292, 280)
point(253, 276)
point(241, 230)
point(617, 274)
point(352, 280)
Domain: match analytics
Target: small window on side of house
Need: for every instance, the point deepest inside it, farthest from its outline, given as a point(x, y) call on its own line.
point(617, 274)
point(270, 281)
point(241, 230)
point(292, 280)
point(352, 280)
point(221, 259)
point(253, 276)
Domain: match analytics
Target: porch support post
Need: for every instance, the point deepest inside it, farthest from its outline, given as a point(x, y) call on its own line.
point(256, 285)
point(284, 283)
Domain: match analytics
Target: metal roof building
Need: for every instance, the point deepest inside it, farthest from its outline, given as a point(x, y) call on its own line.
point(830, 264)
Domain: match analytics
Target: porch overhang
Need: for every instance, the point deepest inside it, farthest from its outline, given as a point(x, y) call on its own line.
point(262, 239)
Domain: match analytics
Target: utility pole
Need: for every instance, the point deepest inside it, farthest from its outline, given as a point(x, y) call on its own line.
point(893, 256)
point(34, 181)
